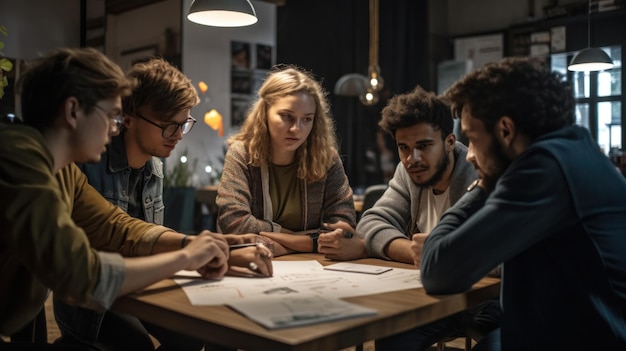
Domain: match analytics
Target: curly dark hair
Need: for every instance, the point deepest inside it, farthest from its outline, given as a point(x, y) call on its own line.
point(537, 100)
point(417, 106)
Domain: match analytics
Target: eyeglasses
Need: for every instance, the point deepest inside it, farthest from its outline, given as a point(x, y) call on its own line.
point(168, 130)
point(116, 119)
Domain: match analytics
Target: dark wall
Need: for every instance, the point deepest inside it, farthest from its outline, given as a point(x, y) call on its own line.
point(331, 38)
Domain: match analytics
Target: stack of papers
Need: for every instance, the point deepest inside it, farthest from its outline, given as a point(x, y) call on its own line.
point(297, 311)
point(300, 292)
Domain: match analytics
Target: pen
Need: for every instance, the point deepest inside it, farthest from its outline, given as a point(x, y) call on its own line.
point(311, 232)
point(239, 246)
point(346, 234)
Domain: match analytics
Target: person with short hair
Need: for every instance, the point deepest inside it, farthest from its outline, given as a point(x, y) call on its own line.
point(549, 206)
point(58, 233)
point(431, 176)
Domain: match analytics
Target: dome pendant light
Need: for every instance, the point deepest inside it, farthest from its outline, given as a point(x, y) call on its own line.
point(222, 13)
point(590, 59)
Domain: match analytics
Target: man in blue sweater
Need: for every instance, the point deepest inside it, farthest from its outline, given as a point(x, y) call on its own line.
point(549, 206)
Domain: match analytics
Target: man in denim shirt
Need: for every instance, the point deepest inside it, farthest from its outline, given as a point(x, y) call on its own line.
point(130, 176)
point(113, 176)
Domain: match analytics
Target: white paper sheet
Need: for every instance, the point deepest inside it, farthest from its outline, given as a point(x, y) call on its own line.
point(295, 279)
point(299, 310)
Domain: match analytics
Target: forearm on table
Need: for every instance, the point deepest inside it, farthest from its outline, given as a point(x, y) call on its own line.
point(399, 250)
point(291, 243)
point(143, 271)
point(168, 241)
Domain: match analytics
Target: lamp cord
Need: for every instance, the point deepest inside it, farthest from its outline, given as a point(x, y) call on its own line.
point(373, 33)
point(589, 25)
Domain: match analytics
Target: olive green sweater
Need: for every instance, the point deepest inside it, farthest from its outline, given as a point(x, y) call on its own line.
point(50, 228)
point(243, 197)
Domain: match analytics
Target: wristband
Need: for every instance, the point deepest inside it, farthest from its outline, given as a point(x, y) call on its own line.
point(314, 241)
point(183, 241)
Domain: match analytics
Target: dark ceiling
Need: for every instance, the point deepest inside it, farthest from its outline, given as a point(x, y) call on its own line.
point(116, 7)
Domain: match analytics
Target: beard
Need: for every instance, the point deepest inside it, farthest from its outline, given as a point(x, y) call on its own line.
point(500, 163)
point(441, 166)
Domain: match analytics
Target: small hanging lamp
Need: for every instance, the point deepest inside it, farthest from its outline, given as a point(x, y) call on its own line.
point(590, 59)
point(355, 84)
point(222, 13)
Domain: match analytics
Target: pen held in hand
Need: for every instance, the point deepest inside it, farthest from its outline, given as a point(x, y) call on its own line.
point(239, 246)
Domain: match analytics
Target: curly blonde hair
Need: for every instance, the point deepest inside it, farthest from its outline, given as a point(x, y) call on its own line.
point(316, 155)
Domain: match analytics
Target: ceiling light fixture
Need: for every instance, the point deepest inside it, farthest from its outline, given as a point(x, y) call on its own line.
point(222, 13)
point(590, 59)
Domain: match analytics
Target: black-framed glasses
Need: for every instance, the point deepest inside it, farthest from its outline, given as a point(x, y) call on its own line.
point(168, 130)
point(116, 119)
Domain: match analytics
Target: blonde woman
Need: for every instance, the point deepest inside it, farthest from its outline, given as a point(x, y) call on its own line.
point(282, 173)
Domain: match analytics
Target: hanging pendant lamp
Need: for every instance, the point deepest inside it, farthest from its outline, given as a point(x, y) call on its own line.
point(375, 81)
point(590, 59)
point(355, 84)
point(222, 13)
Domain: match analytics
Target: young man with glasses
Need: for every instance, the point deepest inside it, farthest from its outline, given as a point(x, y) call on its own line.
point(155, 117)
point(58, 233)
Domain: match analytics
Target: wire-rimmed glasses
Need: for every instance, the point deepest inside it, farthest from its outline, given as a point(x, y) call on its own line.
point(117, 119)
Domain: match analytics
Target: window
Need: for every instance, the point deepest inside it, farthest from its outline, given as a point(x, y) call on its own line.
point(598, 98)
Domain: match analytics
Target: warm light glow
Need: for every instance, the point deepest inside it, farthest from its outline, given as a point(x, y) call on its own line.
point(369, 98)
point(590, 66)
point(375, 79)
point(222, 18)
point(222, 13)
point(214, 120)
point(203, 87)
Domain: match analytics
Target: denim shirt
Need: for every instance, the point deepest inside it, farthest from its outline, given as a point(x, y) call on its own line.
point(111, 175)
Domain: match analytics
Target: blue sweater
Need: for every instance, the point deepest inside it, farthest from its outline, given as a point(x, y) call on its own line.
point(557, 220)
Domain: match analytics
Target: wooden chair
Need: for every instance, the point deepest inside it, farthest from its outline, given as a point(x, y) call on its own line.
point(34, 332)
point(441, 345)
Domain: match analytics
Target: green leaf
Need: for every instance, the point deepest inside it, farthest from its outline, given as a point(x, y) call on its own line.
point(4, 83)
point(1, 45)
point(6, 65)
point(4, 31)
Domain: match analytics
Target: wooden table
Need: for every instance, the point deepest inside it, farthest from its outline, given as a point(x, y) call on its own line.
point(166, 304)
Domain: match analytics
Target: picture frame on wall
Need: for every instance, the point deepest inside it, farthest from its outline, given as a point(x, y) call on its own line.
point(238, 111)
point(258, 77)
point(240, 55)
point(140, 54)
point(480, 49)
point(264, 58)
point(240, 82)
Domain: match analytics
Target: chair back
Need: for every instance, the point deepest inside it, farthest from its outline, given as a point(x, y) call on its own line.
point(372, 194)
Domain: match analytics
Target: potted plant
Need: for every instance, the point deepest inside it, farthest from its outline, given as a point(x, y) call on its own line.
point(179, 196)
point(5, 64)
